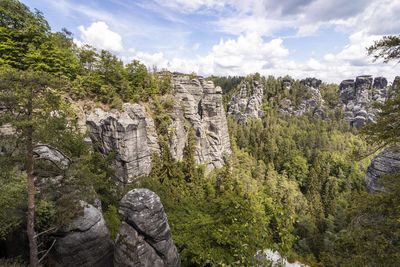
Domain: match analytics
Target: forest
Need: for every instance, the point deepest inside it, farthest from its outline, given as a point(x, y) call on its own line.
point(293, 184)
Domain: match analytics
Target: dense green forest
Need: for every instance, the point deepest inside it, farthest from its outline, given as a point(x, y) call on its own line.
point(292, 184)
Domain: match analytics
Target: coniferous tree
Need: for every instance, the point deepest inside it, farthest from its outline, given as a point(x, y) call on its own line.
point(32, 108)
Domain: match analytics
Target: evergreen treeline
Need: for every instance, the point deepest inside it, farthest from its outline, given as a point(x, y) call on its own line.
point(293, 184)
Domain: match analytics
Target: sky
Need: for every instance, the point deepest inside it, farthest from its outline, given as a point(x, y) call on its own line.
point(326, 39)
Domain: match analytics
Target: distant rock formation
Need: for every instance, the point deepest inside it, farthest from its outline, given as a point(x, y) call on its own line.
point(386, 162)
point(85, 242)
point(248, 102)
point(132, 136)
point(357, 98)
point(313, 103)
point(144, 238)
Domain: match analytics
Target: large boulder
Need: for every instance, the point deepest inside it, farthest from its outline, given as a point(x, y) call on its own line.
point(84, 242)
point(144, 238)
point(386, 162)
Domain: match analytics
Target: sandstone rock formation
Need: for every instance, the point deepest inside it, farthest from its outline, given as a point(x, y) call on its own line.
point(200, 107)
point(387, 162)
point(144, 238)
point(248, 102)
point(357, 98)
point(85, 242)
point(313, 103)
point(130, 134)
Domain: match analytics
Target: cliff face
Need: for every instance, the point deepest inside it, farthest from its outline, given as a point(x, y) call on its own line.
point(357, 97)
point(248, 102)
point(132, 136)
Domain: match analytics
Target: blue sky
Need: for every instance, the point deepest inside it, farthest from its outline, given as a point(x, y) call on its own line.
point(302, 38)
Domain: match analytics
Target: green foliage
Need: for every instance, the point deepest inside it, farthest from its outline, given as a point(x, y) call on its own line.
point(371, 236)
point(386, 131)
point(113, 220)
point(12, 199)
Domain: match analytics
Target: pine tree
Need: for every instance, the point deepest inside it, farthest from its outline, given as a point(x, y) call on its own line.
point(33, 110)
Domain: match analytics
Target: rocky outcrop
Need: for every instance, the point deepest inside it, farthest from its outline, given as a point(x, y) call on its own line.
point(386, 162)
point(130, 134)
point(84, 242)
point(311, 103)
point(52, 154)
point(144, 238)
point(248, 102)
point(357, 97)
point(199, 106)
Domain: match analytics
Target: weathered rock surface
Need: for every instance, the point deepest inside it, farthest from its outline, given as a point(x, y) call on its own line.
point(387, 162)
point(248, 102)
point(130, 134)
point(357, 98)
point(144, 238)
point(85, 242)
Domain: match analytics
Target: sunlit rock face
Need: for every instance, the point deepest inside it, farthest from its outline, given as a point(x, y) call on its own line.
point(386, 162)
point(248, 102)
point(358, 96)
point(144, 238)
point(131, 134)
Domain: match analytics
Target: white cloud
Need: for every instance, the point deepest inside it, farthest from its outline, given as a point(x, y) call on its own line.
point(100, 36)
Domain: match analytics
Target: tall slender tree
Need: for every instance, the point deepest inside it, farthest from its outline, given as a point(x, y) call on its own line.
point(38, 115)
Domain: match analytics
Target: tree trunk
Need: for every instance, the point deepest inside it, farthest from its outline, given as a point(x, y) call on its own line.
point(33, 250)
